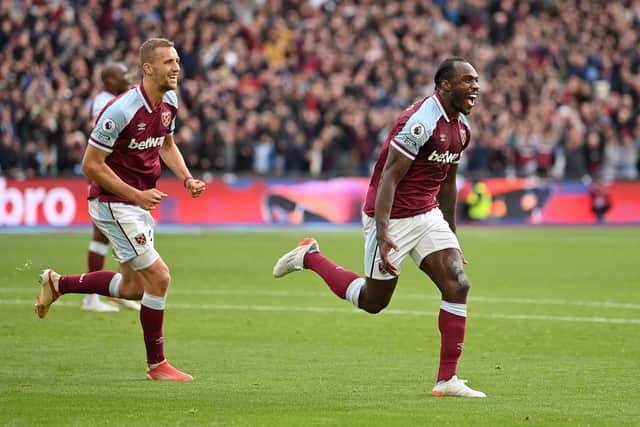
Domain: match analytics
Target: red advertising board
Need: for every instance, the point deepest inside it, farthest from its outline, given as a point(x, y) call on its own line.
point(62, 202)
point(43, 201)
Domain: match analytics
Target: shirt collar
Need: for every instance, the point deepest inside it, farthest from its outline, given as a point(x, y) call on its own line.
point(143, 96)
point(447, 115)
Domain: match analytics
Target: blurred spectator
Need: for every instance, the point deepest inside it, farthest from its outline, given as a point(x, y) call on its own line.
point(594, 152)
point(9, 155)
point(311, 87)
point(600, 200)
point(620, 159)
point(575, 162)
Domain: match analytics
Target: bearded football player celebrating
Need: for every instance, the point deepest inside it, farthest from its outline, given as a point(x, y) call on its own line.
point(410, 211)
point(131, 135)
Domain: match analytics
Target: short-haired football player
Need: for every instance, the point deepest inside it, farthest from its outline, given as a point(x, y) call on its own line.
point(410, 212)
point(133, 132)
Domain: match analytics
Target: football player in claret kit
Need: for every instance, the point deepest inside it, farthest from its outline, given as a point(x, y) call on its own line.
point(410, 212)
point(131, 135)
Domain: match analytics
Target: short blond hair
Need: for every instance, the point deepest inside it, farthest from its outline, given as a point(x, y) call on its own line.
point(148, 49)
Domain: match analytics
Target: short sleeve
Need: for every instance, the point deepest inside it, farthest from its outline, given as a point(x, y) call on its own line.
point(414, 134)
point(107, 129)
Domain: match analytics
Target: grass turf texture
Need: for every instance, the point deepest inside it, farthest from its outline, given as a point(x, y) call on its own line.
point(553, 337)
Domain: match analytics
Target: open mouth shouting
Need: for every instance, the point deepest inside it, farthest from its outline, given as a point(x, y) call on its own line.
point(470, 100)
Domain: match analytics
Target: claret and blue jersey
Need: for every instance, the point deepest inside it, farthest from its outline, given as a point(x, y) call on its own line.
point(132, 131)
point(433, 140)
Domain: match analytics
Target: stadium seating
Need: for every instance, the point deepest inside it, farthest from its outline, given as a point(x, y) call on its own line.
point(310, 87)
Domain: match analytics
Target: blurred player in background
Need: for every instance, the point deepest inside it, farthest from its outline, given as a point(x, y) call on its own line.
point(132, 133)
point(410, 211)
point(115, 81)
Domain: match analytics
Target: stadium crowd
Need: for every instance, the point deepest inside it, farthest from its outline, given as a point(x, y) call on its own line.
point(286, 87)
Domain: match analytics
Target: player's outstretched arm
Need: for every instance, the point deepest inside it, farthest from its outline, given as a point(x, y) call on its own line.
point(172, 157)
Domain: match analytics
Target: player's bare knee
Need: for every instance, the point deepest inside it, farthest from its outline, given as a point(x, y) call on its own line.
point(374, 307)
point(456, 290)
point(459, 282)
point(463, 287)
point(377, 309)
point(164, 280)
point(463, 283)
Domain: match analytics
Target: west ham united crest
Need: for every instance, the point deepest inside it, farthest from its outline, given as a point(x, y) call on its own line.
point(463, 136)
point(141, 239)
point(166, 118)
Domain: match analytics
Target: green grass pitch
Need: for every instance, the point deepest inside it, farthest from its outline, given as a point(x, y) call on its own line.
point(553, 336)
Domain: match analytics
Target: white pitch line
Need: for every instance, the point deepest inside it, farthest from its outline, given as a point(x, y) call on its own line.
point(397, 312)
point(530, 301)
point(399, 295)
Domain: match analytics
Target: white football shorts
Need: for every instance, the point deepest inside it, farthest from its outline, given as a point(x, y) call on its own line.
point(417, 236)
point(129, 229)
